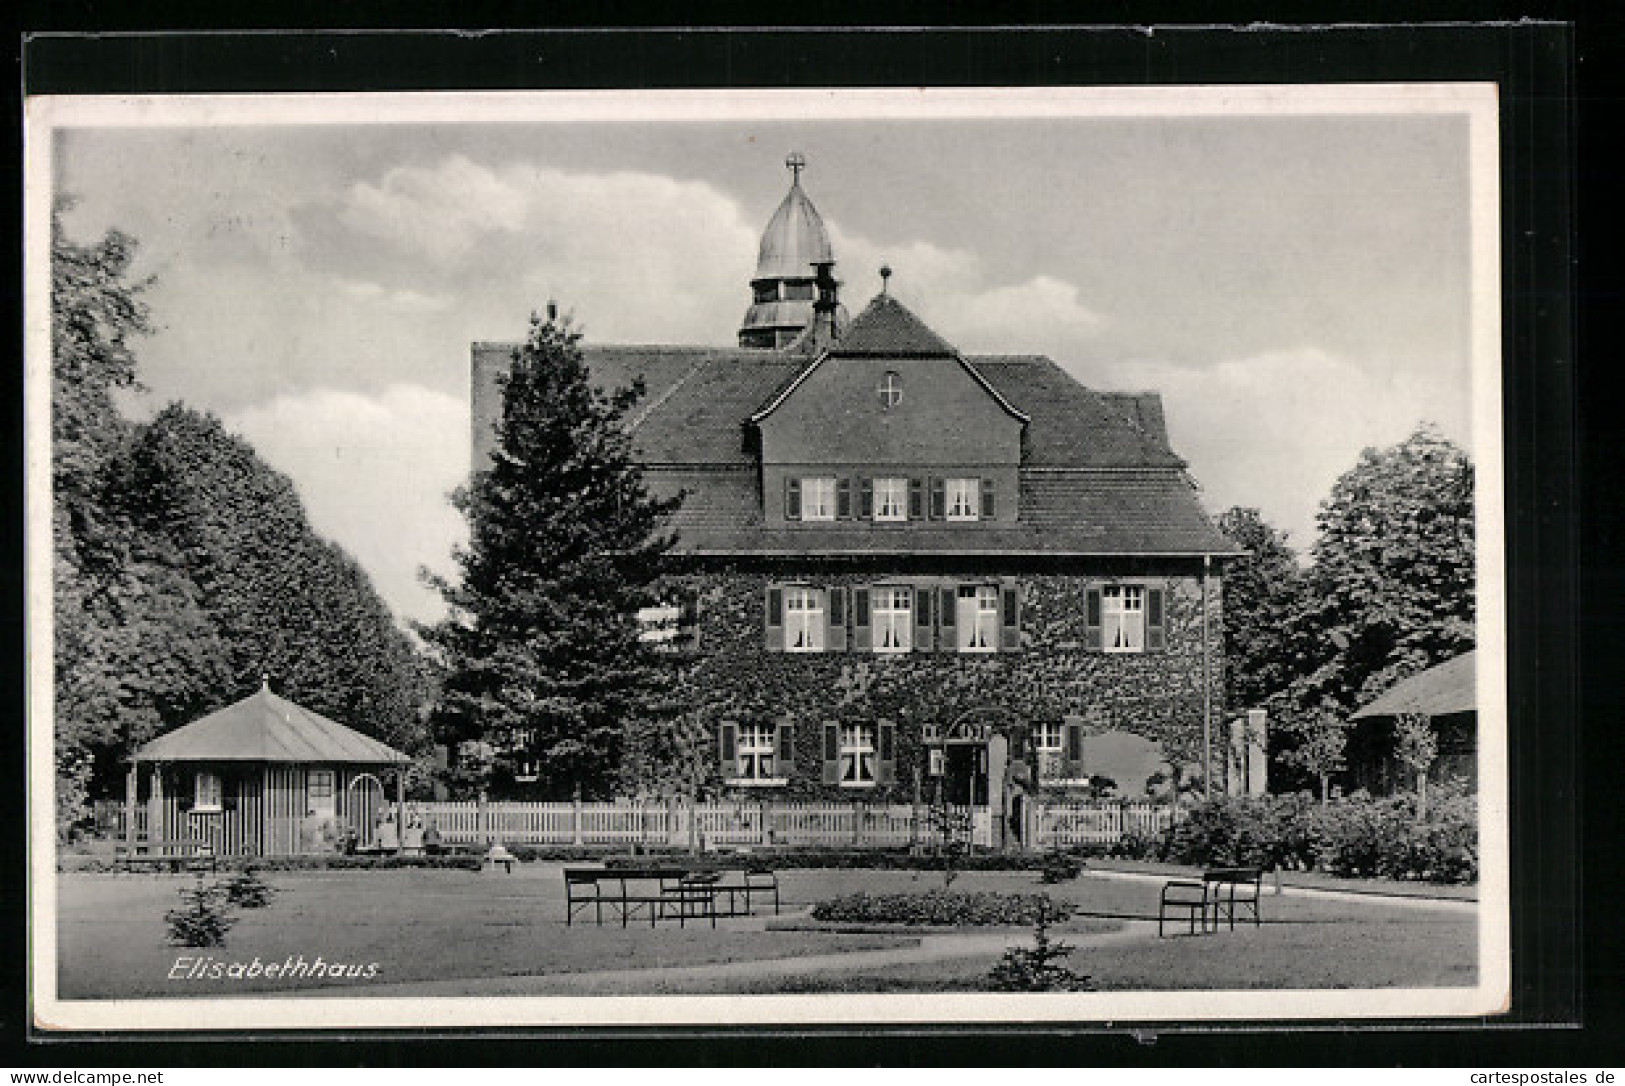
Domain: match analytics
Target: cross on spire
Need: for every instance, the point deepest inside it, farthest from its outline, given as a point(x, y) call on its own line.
point(797, 162)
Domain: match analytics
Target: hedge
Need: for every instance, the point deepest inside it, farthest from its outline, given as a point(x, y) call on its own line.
point(323, 862)
point(1356, 836)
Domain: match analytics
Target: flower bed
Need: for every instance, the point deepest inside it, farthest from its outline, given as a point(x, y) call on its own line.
point(942, 908)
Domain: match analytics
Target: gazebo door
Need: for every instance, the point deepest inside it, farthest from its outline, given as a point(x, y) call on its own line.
point(363, 807)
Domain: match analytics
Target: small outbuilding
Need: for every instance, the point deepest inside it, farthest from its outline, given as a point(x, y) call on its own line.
point(264, 777)
point(1447, 695)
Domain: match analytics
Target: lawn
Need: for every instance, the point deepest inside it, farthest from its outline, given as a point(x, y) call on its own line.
point(502, 932)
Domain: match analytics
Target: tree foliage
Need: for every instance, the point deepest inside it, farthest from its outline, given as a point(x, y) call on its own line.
point(184, 566)
point(542, 647)
point(1391, 590)
point(1262, 590)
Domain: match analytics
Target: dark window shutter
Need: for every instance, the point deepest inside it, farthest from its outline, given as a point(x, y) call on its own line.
point(688, 622)
point(866, 499)
point(1010, 633)
point(775, 619)
point(939, 499)
point(923, 598)
point(860, 619)
point(832, 754)
point(1072, 746)
point(792, 499)
point(835, 610)
point(843, 498)
point(947, 615)
point(727, 743)
point(887, 743)
point(916, 499)
point(987, 499)
point(1156, 635)
point(1091, 620)
point(785, 744)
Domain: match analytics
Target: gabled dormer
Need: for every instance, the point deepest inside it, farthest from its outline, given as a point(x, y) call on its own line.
point(888, 426)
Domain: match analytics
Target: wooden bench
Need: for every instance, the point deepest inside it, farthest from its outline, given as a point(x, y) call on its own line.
point(748, 881)
point(173, 853)
point(1234, 888)
point(1217, 896)
point(669, 891)
point(659, 892)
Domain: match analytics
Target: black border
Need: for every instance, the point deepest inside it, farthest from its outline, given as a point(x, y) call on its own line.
point(1535, 65)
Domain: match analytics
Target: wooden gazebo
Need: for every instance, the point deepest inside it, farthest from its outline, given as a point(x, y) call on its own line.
point(262, 776)
point(1447, 695)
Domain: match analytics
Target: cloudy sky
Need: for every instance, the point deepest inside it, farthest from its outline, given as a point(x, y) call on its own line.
point(1297, 287)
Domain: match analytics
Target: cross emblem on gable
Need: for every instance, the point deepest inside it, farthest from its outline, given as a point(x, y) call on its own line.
point(891, 390)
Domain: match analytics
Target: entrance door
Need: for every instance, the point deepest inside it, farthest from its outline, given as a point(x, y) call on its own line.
point(965, 774)
point(364, 808)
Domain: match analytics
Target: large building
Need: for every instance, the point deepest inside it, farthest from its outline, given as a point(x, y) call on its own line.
point(912, 568)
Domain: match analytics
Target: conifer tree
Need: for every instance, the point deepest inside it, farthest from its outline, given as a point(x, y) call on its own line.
point(541, 652)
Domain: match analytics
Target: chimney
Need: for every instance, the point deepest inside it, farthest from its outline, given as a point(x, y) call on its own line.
point(825, 305)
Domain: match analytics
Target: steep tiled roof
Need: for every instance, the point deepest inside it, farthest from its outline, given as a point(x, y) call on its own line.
point(1450, 687)
point(1097, 474)
point(886, 327)
point(265, 728)
point(1074, 426)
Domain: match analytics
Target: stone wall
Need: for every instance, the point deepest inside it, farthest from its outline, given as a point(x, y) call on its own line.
point(1155, 694)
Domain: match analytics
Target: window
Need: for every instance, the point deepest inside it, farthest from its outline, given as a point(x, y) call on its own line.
point(857, 763)
point(964, 499)
point(206, 790)
point(893, 617)
point(798, 291)
point(767, 292)
point(976, 618)
point(319, 790)
point(755, 756)
point(891, 499)
point(1051, 753)
point(890, 390)
point(818, 498)
point(1123, 618)
point(803, 620)
point(657, 626)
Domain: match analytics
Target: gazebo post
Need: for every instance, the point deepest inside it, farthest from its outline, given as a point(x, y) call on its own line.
point(400, 805)
point(156, 830)
point(131, 782)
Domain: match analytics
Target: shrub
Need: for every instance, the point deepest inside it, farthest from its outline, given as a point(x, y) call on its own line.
point(1040, 969)
point(941, 908)
point(247, 890)
point(1355, 837)
point(201, 920)
point(1060, 867)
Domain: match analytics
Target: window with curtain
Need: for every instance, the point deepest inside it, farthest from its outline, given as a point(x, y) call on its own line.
point(803, 620)
point(892, 619)
point(1122, 618)
point(858, 757)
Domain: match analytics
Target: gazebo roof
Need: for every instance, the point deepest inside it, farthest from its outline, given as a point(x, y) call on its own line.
point(1441, 690)
point(265, 728)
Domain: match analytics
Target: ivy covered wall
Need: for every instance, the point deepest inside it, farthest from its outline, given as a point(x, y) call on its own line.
point(733, 677)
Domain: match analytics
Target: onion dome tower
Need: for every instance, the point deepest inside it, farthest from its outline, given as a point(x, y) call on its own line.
point(793, 272)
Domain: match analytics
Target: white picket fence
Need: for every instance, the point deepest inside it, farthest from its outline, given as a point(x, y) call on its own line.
point(770, 824)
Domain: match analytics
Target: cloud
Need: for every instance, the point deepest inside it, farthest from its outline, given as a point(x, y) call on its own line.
point(1275, 430)
point(374, 472)
point(955, 292)
point(637, 256)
